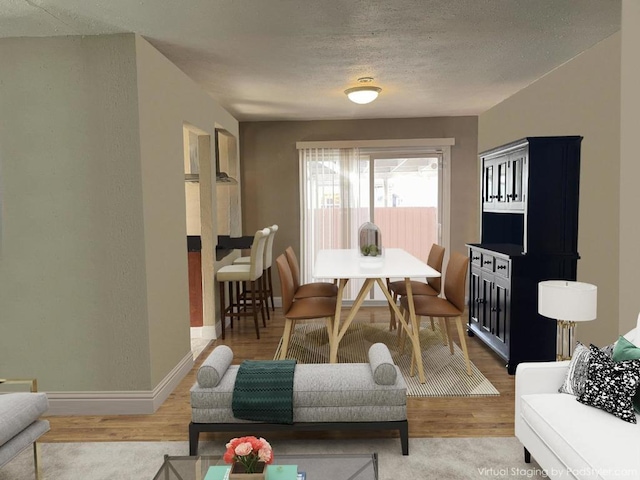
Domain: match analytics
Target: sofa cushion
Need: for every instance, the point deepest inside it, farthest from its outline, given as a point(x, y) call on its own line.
point(214, 367)
point(590, 442)
point(316, 385)
point(611, 385)
point(23, 440)
point(18, 411)
point(382, 366)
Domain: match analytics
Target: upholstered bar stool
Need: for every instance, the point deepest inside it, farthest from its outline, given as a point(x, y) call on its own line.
point(266, 279)
point(237, 274)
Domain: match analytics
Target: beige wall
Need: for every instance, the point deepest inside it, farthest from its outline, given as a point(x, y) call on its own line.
point(93, 269)
point(629, 167)
point(72, 273)
point(582, 97)
point(270, 175)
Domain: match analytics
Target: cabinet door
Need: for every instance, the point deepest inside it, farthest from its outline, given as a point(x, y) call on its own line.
point(502, 181)
point(500, 311)
point(488, 183)
point(517, 180)
point(474, 294)
point(485, 301)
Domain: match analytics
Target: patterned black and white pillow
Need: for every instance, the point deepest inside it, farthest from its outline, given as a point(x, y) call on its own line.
point(576, 376)
point(611, 385)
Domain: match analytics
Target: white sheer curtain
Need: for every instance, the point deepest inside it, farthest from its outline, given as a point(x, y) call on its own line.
point(334, 185)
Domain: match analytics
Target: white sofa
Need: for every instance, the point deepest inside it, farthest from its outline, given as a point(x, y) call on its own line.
point(567, 439)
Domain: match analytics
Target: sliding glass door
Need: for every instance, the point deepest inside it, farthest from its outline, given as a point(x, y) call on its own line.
point(399, 190)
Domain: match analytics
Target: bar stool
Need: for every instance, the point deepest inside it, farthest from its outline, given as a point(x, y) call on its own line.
point(244, 273)
point(266, 280)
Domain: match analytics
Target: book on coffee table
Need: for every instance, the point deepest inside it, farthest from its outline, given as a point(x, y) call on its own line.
point(274, 472)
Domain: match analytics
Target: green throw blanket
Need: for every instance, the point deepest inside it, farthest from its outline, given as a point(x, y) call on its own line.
point(263, 391)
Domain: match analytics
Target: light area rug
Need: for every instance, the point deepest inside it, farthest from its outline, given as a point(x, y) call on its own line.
point(429, 458)
point(446, 374)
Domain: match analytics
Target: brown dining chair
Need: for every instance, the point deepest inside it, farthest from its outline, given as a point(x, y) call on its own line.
point(302, 308)
point(431, 287)
point(313, 289)
point(450, 308)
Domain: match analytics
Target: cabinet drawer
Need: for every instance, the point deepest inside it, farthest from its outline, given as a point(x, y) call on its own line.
point(476, 258)
point(502, 267)
point(488, 262)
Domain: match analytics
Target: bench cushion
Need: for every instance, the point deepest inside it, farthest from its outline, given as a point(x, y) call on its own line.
point(18, 411)
point(23, 440)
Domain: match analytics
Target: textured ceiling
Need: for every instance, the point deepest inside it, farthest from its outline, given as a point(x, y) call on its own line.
point(293, 59)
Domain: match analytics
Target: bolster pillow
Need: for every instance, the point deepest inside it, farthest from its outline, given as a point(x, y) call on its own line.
point(382, 366)
point(212, 369)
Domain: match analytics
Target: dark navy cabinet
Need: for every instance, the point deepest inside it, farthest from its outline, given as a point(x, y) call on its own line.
point(529, 233)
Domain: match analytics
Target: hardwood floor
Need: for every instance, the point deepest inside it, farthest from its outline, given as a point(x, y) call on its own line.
point(428, 417)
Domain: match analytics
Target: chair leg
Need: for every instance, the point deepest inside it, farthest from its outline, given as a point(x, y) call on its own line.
point(36, 460)
point(233, 303)
point(264, 295)
point(392, 313)
point(443, 330)
point(255, 309)
point(285, 338)
point(463, 342)
point(223, 309)
point(449, 336)
point(433, 325)
point(270, 282)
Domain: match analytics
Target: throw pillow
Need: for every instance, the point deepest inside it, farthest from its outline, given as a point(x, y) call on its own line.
point(576, 376)
point(610, 385)
point(625, 350)
point(214, 367)
point(382, 366)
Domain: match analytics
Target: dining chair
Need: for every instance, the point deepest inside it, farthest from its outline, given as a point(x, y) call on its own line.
point(312, 289)
point(431, 287)
point(251, 273)
point(295, 309)
point(266, 281)
point(450, 308)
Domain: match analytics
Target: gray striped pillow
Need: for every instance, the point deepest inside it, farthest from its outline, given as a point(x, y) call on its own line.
point(576, 378)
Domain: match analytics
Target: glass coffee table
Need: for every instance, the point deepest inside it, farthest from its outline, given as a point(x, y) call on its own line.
point(315, 466)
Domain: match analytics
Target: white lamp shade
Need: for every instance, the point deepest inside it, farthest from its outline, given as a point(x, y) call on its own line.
point(565, 300)
point(363, 95)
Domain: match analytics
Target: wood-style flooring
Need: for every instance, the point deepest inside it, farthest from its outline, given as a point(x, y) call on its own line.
point(428, 417)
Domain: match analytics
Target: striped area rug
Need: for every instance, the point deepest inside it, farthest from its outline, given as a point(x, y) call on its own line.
point(446, 374)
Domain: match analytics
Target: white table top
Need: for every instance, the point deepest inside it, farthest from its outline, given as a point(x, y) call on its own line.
point(348, 263)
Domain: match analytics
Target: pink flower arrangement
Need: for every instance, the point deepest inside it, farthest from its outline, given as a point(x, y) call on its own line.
point(248, 451)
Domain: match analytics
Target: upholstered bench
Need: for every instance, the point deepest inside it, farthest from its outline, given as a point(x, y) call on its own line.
point(20, 425)
point(343, 396)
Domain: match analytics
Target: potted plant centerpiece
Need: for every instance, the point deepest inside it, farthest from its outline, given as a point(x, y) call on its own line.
point(248, 457)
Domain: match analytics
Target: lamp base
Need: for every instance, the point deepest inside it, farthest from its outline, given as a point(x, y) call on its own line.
point(565, 341)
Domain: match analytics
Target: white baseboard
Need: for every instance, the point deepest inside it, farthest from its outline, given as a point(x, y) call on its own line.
point(119, 403)
point(208, 332)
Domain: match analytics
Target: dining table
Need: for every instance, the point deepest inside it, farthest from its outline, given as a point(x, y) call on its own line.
point(349, 264)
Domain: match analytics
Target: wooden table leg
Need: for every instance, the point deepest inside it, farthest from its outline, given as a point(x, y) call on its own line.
point(335, 330)
point(414, 333)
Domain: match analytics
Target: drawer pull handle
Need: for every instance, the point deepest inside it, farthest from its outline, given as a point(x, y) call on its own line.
point(487, 262)
point(501, 267)
point(476, 258)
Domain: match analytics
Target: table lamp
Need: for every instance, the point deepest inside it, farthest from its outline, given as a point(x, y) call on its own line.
point(568, 302)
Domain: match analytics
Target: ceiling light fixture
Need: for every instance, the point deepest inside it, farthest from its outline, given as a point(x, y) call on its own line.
point(363, 94)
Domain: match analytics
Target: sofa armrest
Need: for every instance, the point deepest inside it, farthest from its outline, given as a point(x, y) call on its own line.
point(538, 377)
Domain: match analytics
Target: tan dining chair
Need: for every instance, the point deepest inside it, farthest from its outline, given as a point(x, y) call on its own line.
point(431, 287)
point(266, 281)
point(307, 308)
point(449, 309)
point(237, 274)
point(312, 289)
